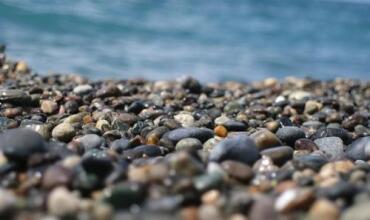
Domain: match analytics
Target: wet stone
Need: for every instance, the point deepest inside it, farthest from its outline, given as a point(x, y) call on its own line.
point(237, 170)
point(332, 132)
point(240, 148)
point(201, 134)
point(265, 139)
point(290, 134)
point(16, 97)
point(64, 132)
point(359, 149)
point(294, 199)
point(279, 155)
point(19, 144)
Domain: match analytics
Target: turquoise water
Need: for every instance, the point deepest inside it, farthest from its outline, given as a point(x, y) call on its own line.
point(211, 40)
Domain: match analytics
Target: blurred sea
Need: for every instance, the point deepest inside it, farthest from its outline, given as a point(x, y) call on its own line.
point(211, 40)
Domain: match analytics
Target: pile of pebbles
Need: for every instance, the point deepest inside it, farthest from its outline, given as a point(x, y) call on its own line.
point(71, 148)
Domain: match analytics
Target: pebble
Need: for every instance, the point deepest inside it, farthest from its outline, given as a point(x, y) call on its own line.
point(357, 211)
point(332, 132)
point(279, 155)
point(62, 202)
point(185, 119)
point(294, 199)
point(265, 139)
point(299, 95)
point(359, 149)
point(332, 147)
point(49, 107)
point(240, 148)
point(8, 200)
point(290, 134)
point(324, 209)
point(90, 141)
point(14, 96)
point(21, 143)
point(189, 144)
point(82, 89)
point(201, 134)
point(63, 132)
point(220, 131)
point(237, 170)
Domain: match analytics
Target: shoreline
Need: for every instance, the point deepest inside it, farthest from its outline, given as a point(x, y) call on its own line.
point(182, 149)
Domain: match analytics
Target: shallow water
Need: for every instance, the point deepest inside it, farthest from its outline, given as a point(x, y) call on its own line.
point(211, 40)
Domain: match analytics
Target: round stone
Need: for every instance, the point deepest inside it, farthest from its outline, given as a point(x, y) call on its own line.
point(265, 139)
point(332, 147)
point(359, 149)
point(290, 134)
point(189, 144)
point(64, 132)
point(201, 134)
point(20, 143)
point(240, 148)
point(49, 107)
point(82, 89)
point(62, 202)
point(237, 170)
point(279, 155)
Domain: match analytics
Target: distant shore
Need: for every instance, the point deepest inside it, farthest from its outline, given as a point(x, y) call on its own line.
point(139, 149)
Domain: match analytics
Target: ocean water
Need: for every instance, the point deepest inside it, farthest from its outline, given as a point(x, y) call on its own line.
point(210, 40)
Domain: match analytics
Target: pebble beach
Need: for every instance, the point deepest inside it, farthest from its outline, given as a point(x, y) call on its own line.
point(275, 149)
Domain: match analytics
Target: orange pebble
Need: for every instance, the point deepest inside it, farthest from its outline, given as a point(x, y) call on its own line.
point(220, 131)
point(152, 139)
point(87, 119)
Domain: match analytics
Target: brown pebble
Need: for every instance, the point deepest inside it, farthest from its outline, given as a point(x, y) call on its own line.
point(325, 210)
point(220, 131)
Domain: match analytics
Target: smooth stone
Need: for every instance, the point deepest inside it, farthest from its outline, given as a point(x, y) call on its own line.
point(90, 141)
point(201, 134)
point(189, 144)
point(211, 143)
point(265, 139)
point(56, 175)
point(305, 144)
point(143, 151)
point(20, 143)
point(185, 119)
point(333, 168)
point(191, 84)
point(120, 145)
point(353, 120)
point(208, 181)
point(8, 201)
point(299, 95)
point(263, 209)
point(147, 173)
point(220, 131)
point(313, 125)
point(358, 211)
point(237, 170)
point(42, 129)
point(132, 193)
point(311, 161)
point(108, 91)
point(340, 189)
point(312, 106)
point(359, 149)
point(294, 199)
point(290, 134)
point(332, 147)
point(82, 89)
point(240, 148)
point(185, 164)
point(102, 125)
point(279, 155)
point(97, 162)
point(232, 125)
point(324, 209)
point(64, 132)
point(221, 120)
point(14, 96)
point(62, 202)
point(49, 107)
point(332, 132)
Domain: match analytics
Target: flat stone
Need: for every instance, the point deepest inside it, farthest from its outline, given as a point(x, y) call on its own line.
point(82, 89)
point(332, 147)
point(332, 132)
point(237, 170)
point(90, 141)
point(49, 107)
point(14, 96)
point(294, 199)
